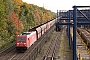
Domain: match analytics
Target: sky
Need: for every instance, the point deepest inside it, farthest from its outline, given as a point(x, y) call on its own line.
point(55, 5)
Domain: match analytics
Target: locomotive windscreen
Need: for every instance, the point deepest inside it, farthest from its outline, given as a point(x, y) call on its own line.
point(21, 39)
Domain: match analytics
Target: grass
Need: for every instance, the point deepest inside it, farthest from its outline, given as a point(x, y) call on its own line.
point(64, 52)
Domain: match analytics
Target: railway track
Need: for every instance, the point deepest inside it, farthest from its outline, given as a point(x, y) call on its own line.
point(50, 49)
point(8, 55)
point(50, 53)
point(82, 52)
point(30, 54)
point(85, 35)
point(83, 44)
point(53, 47)
point(7, 50)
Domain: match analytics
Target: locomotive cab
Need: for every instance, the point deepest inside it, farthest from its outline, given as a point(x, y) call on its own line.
point(25, 40)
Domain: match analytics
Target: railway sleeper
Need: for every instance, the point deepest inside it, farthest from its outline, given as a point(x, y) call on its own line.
point(51, 58)
point(52, 48)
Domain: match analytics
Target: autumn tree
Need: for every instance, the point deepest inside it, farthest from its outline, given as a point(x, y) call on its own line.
point(17, 4)
point(17, 16)
point(17, 23)
point(8, 6)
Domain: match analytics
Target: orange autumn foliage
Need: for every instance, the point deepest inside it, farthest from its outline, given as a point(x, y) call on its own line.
point(47, 16)
point(16, 21)
point(20, 2)
point(38, 15)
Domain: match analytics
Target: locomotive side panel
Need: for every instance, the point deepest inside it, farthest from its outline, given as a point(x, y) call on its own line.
point(32, 38)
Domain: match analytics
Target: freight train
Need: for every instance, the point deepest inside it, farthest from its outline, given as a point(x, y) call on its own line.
point(26, 39)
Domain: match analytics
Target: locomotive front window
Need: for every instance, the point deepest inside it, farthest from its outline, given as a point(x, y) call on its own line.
point(21, 39)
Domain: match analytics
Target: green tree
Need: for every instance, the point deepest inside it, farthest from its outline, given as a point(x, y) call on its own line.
point(8, 6)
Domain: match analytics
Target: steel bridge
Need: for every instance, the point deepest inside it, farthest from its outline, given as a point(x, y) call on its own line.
point(73, 18)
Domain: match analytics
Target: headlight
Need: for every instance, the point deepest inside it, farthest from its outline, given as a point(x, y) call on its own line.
point(17, 43)
point(24, 43)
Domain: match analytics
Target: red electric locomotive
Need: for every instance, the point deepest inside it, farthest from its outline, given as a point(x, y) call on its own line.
point(25, 40)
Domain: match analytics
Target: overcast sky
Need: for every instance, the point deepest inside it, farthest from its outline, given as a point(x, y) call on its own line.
point(55, 5)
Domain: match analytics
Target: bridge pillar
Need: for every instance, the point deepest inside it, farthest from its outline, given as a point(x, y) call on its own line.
point(74, 33)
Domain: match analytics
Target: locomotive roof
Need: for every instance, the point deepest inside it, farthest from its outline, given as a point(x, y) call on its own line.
point(27, 33)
